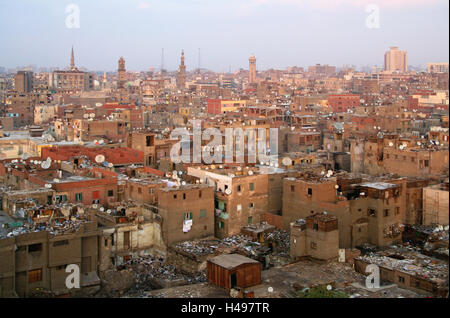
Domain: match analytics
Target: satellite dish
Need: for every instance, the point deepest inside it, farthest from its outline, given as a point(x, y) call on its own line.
point(228, 191)
point(287, 161)
point(56, 180)
point(92, 115)
point(391, 144)
point(101, 141)
point(239, 168)
point(48, 185)
point(336, 186)
point(94, 206)
point(85, 115)
point(46, 164)
point(250, 173)
point(102, 209)
point(110, 165)
point(99, 158)
point(180, 173)
point(183, 183)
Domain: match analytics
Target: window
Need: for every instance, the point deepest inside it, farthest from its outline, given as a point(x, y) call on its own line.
point(221, 225)
point(292, 188)
point(35, 276)
point(200, 193)
point(401, 279)
point(126, 240)
point(252, 205)
point(372, 212)
point(252, 186)
point(238, 188)
point(397, 210)
point(202, 213)
point(35, 247)
point(78, 197)
point(387, 156)
point(316, 227)
point(386, 212)
point(110, 193)
point(313, 245)
point(139, 190)
point(426, 163)
point(309, 191)
point(151, 190)
point(239, 207)
point(250, 219)
point(60, 243)
point(184, 196)
point(174, 196)
point(188, 216)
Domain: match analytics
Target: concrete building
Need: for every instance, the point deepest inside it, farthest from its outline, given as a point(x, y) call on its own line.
point(316, 237)
point(396, 60)
point(187, 212)
point(23, 82)
point(435, 204)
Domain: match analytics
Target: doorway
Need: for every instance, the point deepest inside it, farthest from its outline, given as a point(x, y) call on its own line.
point(233, 279)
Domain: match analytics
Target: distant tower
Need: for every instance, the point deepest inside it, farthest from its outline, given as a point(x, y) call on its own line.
point(252, 69)
point(396, 60)
point(122, 73)
point(181, 79)
point(72, 61)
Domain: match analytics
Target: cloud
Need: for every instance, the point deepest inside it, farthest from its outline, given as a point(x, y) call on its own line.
point(144, 5)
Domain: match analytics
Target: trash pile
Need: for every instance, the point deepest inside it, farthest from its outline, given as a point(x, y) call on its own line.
point(148, 269)
point(56, 228)
point(278, 239)
point(282, 239)
point(410, 262)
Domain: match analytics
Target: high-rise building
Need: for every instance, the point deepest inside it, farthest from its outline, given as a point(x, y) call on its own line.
point(252, 69)
point(396, 60)
point(437, 67)
point(122, 73)
point(23, 81)
point(181, 78)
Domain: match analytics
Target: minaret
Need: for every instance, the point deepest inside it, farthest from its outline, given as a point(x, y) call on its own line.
point(72, 61)
point(122, 73)
point(252, 69)
point(181, 79)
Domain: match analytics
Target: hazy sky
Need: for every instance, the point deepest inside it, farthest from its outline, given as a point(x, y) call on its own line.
point(280, 33)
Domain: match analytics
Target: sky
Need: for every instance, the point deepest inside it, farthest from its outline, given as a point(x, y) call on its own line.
point(280, 33)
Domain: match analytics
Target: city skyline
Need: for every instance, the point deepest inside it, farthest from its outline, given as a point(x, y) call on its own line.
point(236, 29)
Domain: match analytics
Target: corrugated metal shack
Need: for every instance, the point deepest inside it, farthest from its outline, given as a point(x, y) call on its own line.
point(234, 270)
